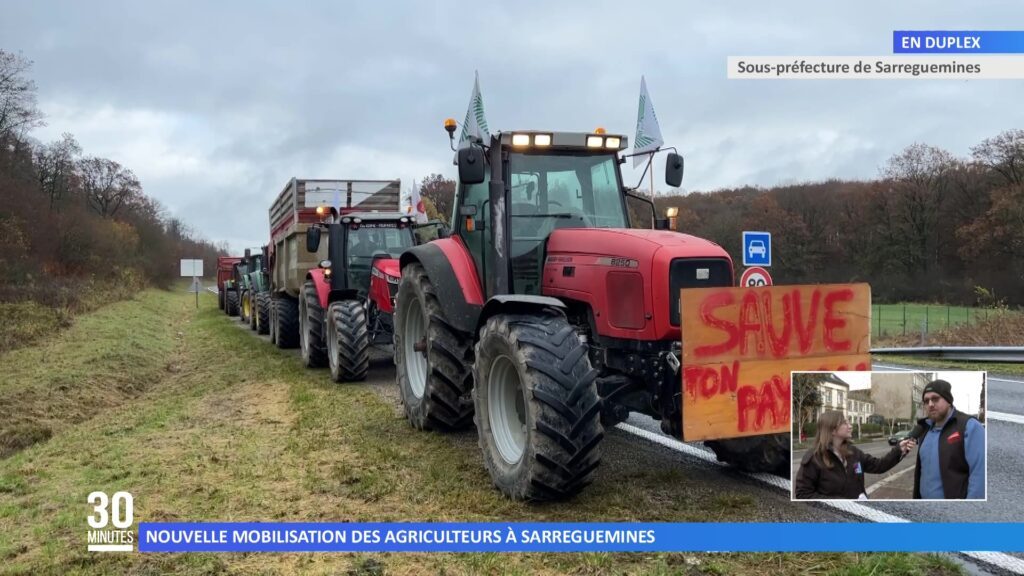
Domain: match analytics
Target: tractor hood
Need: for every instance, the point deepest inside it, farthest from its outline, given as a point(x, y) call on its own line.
point(631, 243)
point(389, 266)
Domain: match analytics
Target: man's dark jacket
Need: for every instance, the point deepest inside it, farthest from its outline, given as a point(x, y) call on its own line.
point(953, 468)
point(816, 482)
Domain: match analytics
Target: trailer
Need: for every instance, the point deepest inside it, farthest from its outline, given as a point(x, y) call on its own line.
point(292, 213)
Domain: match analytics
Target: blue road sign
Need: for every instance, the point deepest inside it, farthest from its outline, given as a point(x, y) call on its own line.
point(757, 248)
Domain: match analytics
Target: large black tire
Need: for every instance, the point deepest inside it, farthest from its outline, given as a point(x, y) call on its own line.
point(769, 453)
point(348, 341)
point(220, 299)
point(538, 414)
point(231, 303)
point(430, 358)
point(244, 306)
point(311, 328)
point(286, 328)
point(253, 314)
point(262, 315)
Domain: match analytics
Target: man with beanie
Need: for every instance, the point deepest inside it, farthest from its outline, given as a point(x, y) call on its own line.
point(951, 455)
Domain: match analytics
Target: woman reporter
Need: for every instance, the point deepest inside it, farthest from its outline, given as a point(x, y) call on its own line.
point(833, 468)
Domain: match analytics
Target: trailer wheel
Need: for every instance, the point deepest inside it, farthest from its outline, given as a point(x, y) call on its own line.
point(262, 316)
point(231, 303)
point(245, 306)
point(430, 358)
point(538, 414)
point(286, 329)
point(348, 341)
point(311, 328)
point(220, 299)
point(768, 453)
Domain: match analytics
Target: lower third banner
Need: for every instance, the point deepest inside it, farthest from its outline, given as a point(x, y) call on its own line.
point(578, 537)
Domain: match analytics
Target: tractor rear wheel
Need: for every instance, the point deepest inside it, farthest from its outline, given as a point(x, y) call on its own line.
point(245, 306)
point(430, 358)
point(231, 303)
point(348, 341)
point(286, 327)
point(311, 328)
point(262, 315)
point(538, 414)
point(769, 453)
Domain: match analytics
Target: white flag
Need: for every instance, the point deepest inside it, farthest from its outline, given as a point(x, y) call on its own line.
point(418, 208)
point(475, 123)
point(648, 134)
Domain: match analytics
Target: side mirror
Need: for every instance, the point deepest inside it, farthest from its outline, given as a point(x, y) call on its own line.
point(313, 238)
point(471, 164)
point(674, 170)
point(248, 254)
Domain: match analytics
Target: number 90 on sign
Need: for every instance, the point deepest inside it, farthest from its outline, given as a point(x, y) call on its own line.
point(755, 276)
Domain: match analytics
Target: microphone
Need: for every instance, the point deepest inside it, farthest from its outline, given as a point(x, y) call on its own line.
point(916, 434)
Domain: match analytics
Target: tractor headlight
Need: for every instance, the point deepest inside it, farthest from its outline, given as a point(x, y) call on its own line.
point(595, 141)
point(612, 142)
point(542, 140)
point(520, 139)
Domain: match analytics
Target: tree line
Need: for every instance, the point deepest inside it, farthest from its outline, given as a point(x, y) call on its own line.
point(931, 227)
point(68, 218)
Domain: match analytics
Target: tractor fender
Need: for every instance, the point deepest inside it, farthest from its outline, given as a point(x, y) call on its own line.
point(323, 287)
point(451, 270)
point(517, 304)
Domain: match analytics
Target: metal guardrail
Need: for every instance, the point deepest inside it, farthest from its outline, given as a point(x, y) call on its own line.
point(1011, 354)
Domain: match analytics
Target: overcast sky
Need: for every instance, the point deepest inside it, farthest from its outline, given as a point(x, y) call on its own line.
point(216, 105)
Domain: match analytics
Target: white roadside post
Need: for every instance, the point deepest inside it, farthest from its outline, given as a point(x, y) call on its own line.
point(193, 268)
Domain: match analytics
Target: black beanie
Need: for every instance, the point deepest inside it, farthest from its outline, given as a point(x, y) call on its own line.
point(940, 387)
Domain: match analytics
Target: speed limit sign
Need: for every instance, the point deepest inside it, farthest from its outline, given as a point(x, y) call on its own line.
point(755, 276)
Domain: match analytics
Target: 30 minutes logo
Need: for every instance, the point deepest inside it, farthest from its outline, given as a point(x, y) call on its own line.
point(116, 511)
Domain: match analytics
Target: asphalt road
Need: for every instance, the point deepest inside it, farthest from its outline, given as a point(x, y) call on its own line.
point(638, 444)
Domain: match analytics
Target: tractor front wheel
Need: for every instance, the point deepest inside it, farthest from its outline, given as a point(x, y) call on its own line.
point(245, 307)
point(286, 322)
point(430, 358)
point(262, 315)
point(231, 303)
point(538, 414)
point(311, 328)
point(348, 341)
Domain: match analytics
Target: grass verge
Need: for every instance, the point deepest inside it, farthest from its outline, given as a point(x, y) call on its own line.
point(201, 421)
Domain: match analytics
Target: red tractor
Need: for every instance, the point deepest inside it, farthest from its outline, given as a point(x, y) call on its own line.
point(225, 274)
point(348, 300)
point(545, 318)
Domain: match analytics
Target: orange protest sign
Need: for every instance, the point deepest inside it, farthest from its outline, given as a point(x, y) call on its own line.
point(740, 345)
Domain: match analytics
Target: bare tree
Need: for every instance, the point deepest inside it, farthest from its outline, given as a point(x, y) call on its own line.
point(806, 396)
point(440, 191)
point(107, 185)
point(18, 112)
point(55, 167)
point(1004, 154)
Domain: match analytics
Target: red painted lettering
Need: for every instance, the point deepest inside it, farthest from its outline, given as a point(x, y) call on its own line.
point(751, 321)
point(730, 378)
point(770, 402)
point(779, 343)
point(707, 309)
point(805, 331)
point(691, 375)
point(833, 322)
point(709, 383)
point(746, 400)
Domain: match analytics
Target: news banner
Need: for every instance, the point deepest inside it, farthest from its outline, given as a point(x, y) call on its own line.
point(916, 54)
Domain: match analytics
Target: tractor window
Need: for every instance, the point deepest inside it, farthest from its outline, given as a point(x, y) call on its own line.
point(477, 238)
point(557, 191)
point(370, 241)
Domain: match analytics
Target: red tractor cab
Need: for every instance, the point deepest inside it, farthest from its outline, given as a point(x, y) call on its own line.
point(348, 300)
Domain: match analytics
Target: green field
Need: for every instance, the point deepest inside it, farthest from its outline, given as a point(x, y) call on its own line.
point(908, 318)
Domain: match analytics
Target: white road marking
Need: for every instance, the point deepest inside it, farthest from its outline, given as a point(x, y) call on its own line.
point(1016, 418)
point(1004, 561)
point(888, 480)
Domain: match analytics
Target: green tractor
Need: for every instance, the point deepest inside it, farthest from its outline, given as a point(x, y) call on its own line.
point(255, 294)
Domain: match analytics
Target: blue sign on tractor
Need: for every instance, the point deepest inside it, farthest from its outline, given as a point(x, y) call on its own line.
point(757, 248)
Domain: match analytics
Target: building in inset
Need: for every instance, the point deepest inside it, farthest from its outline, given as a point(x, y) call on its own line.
point(859, 406)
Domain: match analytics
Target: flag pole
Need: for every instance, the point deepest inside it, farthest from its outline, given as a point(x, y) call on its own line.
point(652, 176)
